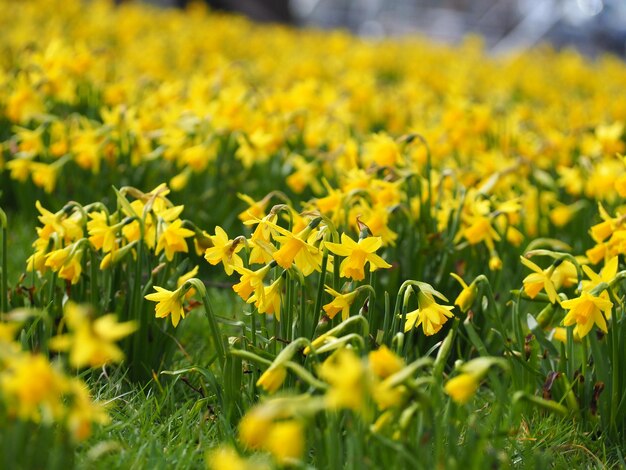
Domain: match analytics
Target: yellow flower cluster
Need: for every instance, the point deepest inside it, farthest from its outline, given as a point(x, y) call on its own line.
point(36, 390)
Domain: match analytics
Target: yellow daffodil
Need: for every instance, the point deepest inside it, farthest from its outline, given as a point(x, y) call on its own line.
point(539, 280)
point(272, 379)
point(251, 281)
point(462, 387)
point(168, 302)
point(224, 251)
point(429, 314)
point(270, 300)
point(340, 303)
point(172, 239)
point(466, 297)
point(384, 362)
point(91, 343)
point(585, 311)
point(345, 373)
point(357, 255)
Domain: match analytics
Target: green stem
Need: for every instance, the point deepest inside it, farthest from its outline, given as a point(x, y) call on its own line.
point(4, 286)
point(215, 331)
point(320, 293)
point(94, 278)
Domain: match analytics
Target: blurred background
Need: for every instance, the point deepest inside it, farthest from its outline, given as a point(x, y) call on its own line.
point(591, 26)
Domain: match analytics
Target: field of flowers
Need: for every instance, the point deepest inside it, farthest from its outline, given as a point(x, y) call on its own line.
point(234, 246)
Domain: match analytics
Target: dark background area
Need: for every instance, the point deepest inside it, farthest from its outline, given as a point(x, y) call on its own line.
point(591, 26)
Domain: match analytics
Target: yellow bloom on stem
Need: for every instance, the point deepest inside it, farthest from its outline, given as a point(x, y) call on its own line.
point(84, 412)
point(44, 175)
point(480, 229)
point(467, 296)
point(224, 251)
point(462, 387)
point(429, 314)
point(597, 253)
point(172, 239)
point(340, 303)
point(538, 280)
point(73, 268)
point(68, 265)
point(251, 281)
point(254, 427)
point(168, 302)
point(586, 310)
point(345, 373)
point(272, 379)
point(101, 235)
point(91, 343)
point(32, 387)
point(226, 458)
point(295, 247)
point(269, 301)
point(384, 362)
point(607, 274)
point(357, 254)
point(285, 441)
point(255, 210)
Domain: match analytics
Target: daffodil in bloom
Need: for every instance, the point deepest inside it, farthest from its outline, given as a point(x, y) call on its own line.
point(340, 303)
point(102, 235)
point(357, 255)
point(91, 343)
point(345, 373)
point(251, 281)
point(263, 249)
point(172, 239)
point(224, 251)
point(429, 314)
point(607, 274)
point(254, 426)
point(466, 297)
point(33, 387)
point(295, 247)
point(271, 427)
point(270, 299)
point(67, 262)
point(168, 303)
point(462, 387)
point(83, 412)
point(384, 362)
point(285, 441)
point(272, 378)
point(538, 280)
point(585, 311)
point(224, 458)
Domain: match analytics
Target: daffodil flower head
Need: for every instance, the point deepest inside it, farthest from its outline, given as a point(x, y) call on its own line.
point(463, 387)
point(169, 303)
point(272, 378)
point(340, 303)
point(466, 297)
point(91, 342)
point(538, 280)
point(225, 251)
point(345, 373)
point(429, 314)
point(383, 362)
point(172, 239)
point(357, 255)
point(585, 311)
point(251, 281)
